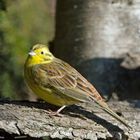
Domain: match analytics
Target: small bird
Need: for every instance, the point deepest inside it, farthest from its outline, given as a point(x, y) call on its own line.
point(58, 83)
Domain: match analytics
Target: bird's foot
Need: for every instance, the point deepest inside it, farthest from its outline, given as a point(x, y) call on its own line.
point(54, 113)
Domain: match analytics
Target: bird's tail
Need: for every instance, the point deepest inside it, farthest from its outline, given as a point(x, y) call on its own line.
point(105, 107)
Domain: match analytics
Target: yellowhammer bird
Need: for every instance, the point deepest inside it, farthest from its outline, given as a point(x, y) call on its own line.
point(58, 83)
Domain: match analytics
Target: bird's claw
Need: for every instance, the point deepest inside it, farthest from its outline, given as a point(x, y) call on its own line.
point(54, 113)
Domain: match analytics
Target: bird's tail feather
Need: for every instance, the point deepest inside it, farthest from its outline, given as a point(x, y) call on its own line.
point(105, 107)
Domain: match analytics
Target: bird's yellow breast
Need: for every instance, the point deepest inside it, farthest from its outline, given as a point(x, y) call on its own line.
point(47, 94)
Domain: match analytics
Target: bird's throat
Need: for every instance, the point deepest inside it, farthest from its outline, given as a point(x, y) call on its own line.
point(31, 61)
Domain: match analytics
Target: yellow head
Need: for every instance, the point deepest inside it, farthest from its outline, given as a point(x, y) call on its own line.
point(39, 54)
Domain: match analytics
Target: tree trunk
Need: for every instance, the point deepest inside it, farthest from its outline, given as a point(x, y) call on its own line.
point(101, 39)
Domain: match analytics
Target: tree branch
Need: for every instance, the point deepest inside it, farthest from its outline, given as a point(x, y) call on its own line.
point(78, 122)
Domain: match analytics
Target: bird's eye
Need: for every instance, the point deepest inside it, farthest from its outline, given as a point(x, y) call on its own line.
point(42, 52)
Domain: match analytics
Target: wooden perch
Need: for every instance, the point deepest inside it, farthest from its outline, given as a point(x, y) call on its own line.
point(23, 118)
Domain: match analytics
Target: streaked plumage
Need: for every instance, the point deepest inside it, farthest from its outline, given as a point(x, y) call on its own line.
point(58, 83)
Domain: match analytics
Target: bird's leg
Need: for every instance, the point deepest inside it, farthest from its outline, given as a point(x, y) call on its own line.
point(60, 109)
point(56, 113)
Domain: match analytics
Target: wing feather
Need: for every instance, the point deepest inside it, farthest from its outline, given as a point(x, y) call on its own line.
point(65, 79)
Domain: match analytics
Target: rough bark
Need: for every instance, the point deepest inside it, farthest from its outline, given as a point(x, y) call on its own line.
point(101, 39)
point(78, 122)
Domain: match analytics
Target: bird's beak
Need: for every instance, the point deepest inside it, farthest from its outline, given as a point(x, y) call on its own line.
point(31, 53)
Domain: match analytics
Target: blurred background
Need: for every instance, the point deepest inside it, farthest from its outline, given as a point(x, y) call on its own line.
point(22, 25)
point(99, 38)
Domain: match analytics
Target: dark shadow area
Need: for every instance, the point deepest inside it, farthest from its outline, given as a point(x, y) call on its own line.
point(40, 104)
point(77, 111)
point(109, 76)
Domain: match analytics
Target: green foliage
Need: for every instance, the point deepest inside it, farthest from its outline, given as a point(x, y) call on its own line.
point(7, 86)
point(23, 24)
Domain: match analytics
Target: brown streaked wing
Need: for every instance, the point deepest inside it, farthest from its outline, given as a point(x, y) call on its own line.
point(65, 79)
point(87, 87)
